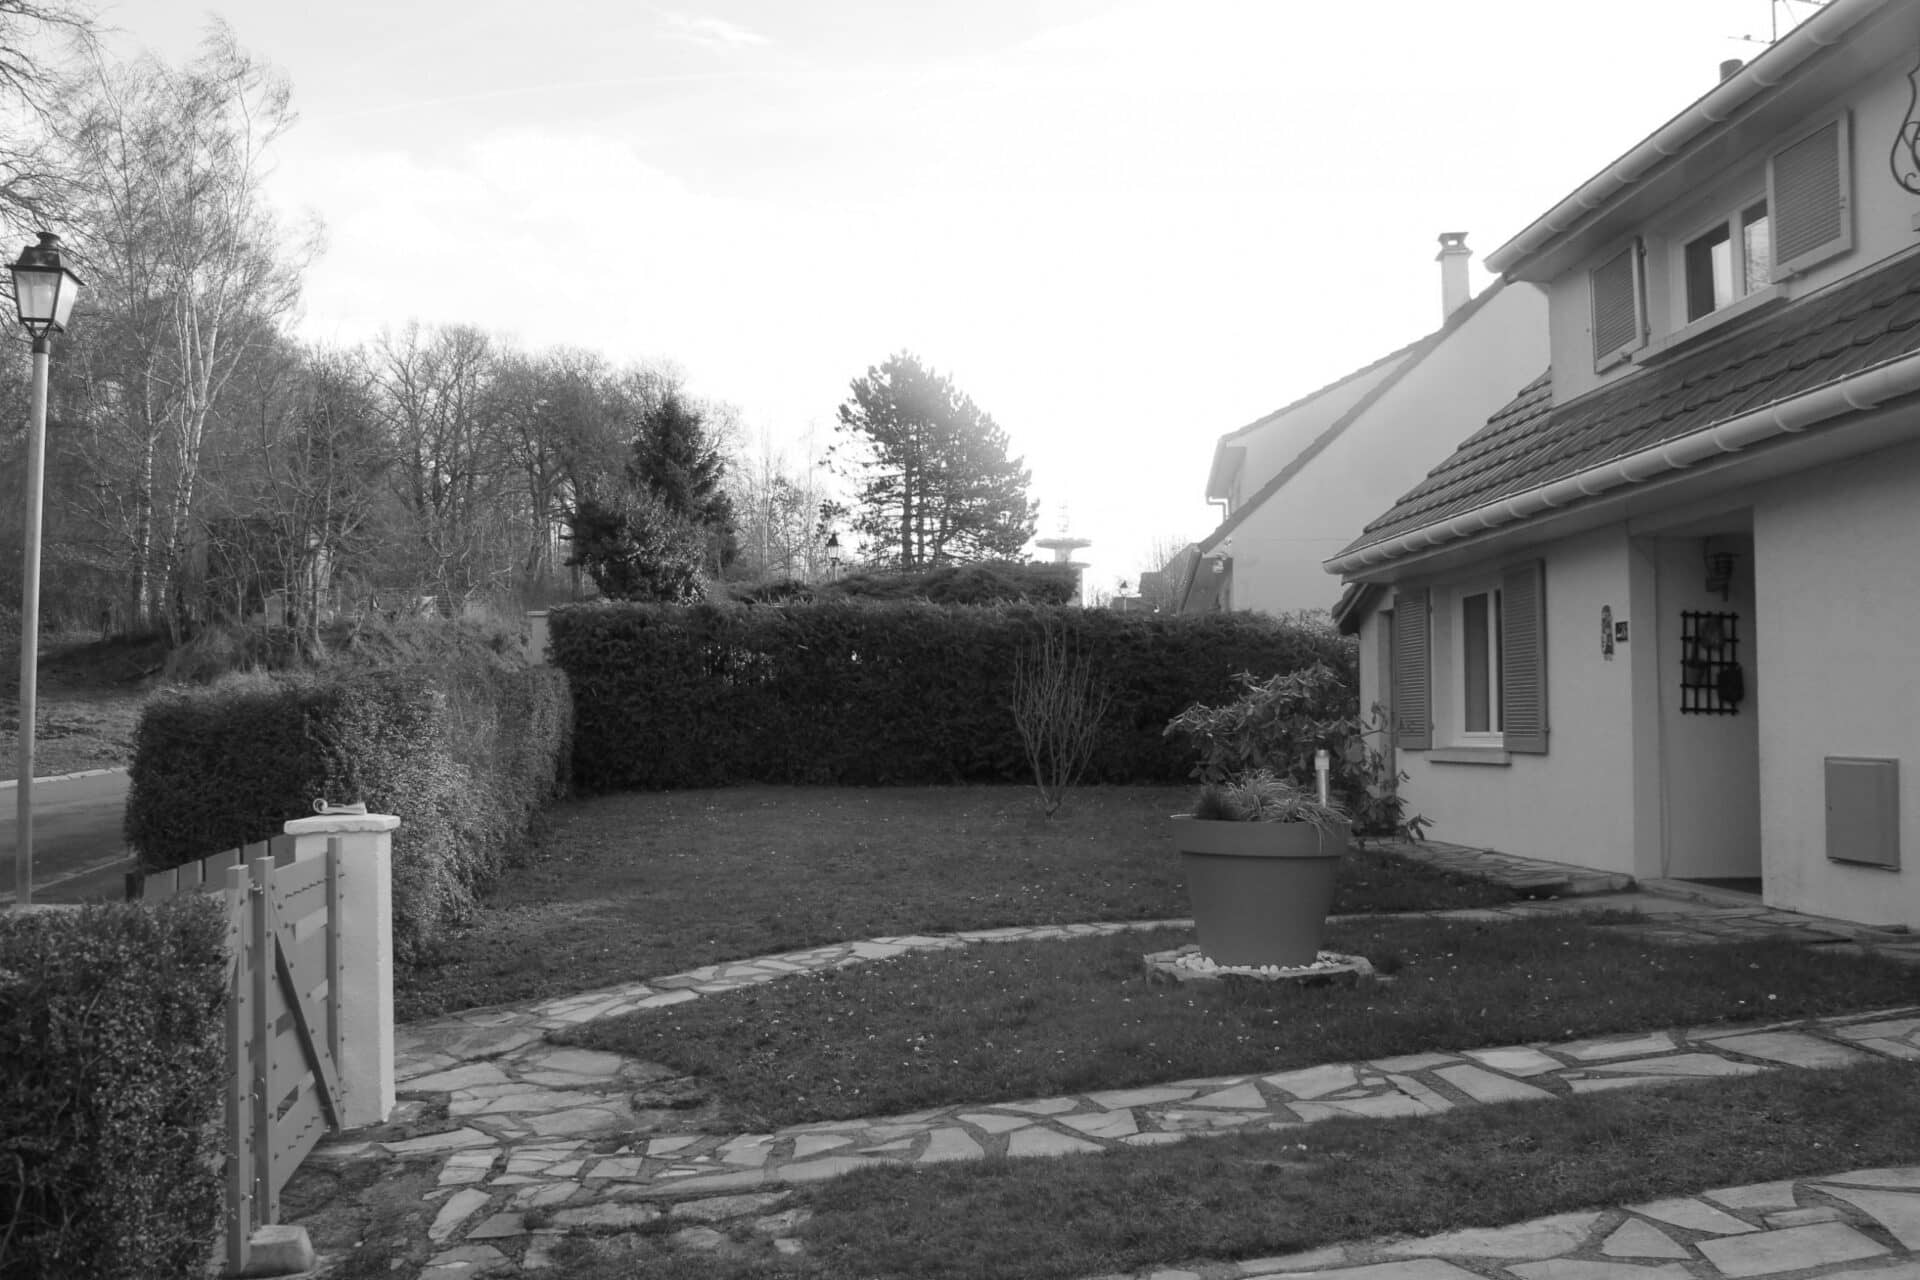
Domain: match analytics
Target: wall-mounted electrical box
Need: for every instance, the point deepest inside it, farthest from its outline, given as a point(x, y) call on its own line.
point(1863, 811)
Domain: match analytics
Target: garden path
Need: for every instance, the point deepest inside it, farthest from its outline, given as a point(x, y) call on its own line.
point(552, 1132)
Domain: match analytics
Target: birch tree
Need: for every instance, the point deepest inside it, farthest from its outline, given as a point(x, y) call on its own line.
point(190, 272)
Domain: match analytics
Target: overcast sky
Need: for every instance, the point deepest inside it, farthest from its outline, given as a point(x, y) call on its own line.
point(1123, 228)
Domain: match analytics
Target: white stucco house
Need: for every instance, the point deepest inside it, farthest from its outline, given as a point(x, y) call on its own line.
point(1297, 484)
point(1658, 614)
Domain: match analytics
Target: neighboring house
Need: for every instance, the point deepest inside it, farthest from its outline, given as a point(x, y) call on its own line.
point(1658, 615)
point(1298, 483)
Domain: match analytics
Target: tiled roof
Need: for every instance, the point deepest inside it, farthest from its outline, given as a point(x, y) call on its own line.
point(1844, 329)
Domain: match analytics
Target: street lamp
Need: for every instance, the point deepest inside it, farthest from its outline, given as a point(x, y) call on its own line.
point(833, 556)
point(44, 290)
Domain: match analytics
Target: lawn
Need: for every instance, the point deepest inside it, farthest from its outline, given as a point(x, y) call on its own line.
point(1020, 1020)
point(1262, 1195)
point(624, 887)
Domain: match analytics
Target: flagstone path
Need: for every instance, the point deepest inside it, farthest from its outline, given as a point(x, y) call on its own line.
point(1860, 1225)
point(540, 1140)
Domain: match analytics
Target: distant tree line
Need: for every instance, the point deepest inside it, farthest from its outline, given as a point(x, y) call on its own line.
point(202, 461)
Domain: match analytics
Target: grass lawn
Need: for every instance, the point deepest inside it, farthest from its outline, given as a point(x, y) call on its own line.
point(625, 887)
point(1020, 1020)
point(1260, 1195)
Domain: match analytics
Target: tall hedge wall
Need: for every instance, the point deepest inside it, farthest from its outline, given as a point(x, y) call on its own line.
point(463, 754)
point(112, 1054)
point(863, 694)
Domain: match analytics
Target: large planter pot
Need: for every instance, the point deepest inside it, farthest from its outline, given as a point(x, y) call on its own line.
point(1260, 890)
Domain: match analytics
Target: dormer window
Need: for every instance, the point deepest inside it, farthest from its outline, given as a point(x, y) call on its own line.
point(1730, 261)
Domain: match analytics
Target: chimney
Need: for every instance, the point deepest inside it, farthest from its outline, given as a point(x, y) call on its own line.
point(1730, 68)
point(1453, 258)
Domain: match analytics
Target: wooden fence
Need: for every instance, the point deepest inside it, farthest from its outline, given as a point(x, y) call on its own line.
point(284, 1091)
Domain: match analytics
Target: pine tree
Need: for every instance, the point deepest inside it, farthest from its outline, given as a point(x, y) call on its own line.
point(674, 458)
point(935, 483)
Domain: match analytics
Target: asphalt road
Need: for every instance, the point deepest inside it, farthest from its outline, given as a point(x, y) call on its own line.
point(78, 852)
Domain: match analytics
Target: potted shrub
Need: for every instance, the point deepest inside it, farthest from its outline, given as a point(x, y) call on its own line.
point(1259, 850)
point(1260, 856)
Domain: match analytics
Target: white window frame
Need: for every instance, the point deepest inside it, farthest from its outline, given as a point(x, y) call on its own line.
point(1495, 735)
point(1733, 221)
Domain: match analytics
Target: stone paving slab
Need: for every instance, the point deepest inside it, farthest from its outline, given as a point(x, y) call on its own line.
point(609, 1171)
point(538, 1132)
point(1851, 1236)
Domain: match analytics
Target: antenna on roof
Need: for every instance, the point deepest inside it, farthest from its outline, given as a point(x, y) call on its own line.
point(1773, 19)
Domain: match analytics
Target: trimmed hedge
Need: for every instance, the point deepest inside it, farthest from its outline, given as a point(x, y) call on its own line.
point(112, 1055)
point(987, 582)
point(835, 692)
point(464, 754)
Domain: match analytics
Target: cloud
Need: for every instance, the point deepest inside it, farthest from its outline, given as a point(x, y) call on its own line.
point(709, 32)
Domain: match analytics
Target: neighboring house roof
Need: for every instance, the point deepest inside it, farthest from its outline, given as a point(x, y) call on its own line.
point(1842, 330)
point(1223, 449)
point(1204, 588)
point(1415, 352)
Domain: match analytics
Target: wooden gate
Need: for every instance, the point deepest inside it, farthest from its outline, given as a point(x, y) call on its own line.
point(283, 1021)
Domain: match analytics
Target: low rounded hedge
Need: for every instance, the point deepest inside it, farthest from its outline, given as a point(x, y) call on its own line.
point(464, 754)
point(838, 692)
point(112, 1057)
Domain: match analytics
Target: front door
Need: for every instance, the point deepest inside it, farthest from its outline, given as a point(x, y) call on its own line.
point(1709, 726)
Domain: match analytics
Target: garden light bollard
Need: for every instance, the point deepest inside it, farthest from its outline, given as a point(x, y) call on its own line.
point(1320, 767)
point(365, 1061)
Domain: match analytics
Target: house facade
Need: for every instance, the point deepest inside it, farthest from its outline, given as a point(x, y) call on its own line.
point(1296, 484)
point(1656, 615)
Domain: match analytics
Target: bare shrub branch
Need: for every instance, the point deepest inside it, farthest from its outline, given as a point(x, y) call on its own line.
point(1058, 706)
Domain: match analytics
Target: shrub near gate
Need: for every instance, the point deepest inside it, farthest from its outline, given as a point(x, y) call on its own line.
point(112, 1052)
point(463, 755)
point(846, 693)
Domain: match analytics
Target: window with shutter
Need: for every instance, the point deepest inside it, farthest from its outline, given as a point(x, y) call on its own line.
point(1411, 679)
point(1523, 652)
point(1619, 310)
point(1809, 186)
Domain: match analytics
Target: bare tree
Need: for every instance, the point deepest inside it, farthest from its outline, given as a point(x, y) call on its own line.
point(1168, 559)
point(451, 456)
point(191, 273)
point(300, 510)
point(1058, 705)
point(776, 499)
point(37, 38)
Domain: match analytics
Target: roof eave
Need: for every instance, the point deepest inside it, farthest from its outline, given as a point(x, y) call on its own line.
point(1822, 30)
point(1859, 392)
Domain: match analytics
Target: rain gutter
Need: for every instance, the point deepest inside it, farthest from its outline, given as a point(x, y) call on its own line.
point(1860, 392)
point(1825, 28)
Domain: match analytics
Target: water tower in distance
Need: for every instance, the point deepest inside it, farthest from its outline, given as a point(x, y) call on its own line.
point(1063, 545)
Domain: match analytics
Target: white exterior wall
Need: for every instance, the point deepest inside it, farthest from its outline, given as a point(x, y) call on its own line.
point(1837, 555)
point(1881, 227)
point(1279, 549)
point(1575, 804)
point(1279, 439)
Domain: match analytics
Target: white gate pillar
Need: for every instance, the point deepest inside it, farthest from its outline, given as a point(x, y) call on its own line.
point(537, 638)
point(365, 1059)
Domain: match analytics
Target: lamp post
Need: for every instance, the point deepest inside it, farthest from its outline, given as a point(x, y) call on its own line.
point(833, 556)
point(44, 290)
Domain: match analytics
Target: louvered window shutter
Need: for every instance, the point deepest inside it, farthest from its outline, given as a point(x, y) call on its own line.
point(1809, 199)
point(1523, 657)
point(1618, 315)
point(1412, 680)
